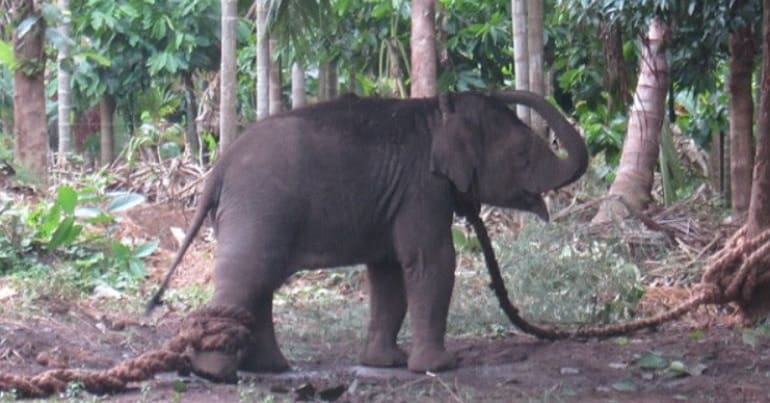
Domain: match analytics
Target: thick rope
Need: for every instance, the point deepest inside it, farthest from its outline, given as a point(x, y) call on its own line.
point(226, 328)
point(732, 276)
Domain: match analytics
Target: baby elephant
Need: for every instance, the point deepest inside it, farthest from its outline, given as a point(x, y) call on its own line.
point(376, 182)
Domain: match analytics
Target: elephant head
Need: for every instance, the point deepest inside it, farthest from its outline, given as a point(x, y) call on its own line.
point(485, 150)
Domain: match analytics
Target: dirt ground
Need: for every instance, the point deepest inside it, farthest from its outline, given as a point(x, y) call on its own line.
point(675, 363)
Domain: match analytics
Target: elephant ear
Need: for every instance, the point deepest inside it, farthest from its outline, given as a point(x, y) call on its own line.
point(456, 151)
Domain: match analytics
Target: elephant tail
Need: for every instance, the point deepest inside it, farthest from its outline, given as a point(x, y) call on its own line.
point(207, 202)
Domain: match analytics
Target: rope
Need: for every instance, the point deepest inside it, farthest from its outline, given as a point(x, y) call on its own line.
point(225, 328)
point(732, 276)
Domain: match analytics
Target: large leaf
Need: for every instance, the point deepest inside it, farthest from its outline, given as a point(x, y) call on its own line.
point(65, 233)
point(146, 249)
point(66, 199)
point(125, 201)
point(6, 55)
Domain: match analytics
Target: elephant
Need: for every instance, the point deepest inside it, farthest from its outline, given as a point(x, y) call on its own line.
point(373, 181)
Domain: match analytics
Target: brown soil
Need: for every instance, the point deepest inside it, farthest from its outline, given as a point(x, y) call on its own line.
point(715, 363)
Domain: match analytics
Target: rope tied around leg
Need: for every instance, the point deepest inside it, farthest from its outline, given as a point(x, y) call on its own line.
point(226, 328)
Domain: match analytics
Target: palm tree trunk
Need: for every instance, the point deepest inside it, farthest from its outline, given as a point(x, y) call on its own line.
point(520, 53)
point(741, 118)
point(297, 86)
point(275, 103)
point(535, 37)
point(29, 123)
point(327, 80)
point(63, 95)
point(191, 106)
point(227, 97)
point(633, 182)
point(106, 112)
point(759, 206)
point(263, 61)
point(423, 41)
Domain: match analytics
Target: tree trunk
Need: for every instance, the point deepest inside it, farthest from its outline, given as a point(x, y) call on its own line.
point(327, 80)
point(228, 118)
point(297, 86)
point(276, 101)
point(741, 118)
point(535, 38)
point(759, 206)
point(633, 182)
point(63, 96)
point(106, 113)
point(263, 61)
point(423, 43)
point(29, 124)
point(615, 79)
point(191, 131)
point(520, 53)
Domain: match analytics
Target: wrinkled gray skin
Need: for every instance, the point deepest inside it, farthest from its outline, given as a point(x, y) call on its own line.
point(372, 181)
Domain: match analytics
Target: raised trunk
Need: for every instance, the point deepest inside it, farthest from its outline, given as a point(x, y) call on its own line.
point(535, 52)
point(191, 131)
point(548, 174)
point(29, 124)
point(263, 61)
point(106, 112)
point(297, 86)
point(63, 94)
point(633, 182)
point(275, 103)
point(227, 75)
point(741, 118)
point(520, 53)
point(423, 43)
point(759, 206)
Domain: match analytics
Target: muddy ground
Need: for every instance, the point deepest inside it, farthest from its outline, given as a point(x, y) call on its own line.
point(713, 363)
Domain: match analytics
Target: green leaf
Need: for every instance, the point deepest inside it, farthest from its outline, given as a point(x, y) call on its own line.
point(67, 199)
point(120, 251)
point(6, 55)
point(125, 201)
point(146, 249)
point(652, 361)
point(625, 385)
point(65, 233)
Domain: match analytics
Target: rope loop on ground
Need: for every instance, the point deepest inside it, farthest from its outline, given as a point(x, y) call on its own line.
point(218, 327)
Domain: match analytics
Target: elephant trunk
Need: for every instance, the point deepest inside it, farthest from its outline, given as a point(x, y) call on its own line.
point(551, 172)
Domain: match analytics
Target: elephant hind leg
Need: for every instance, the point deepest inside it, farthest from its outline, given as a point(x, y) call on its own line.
point(244, 280)
point(387, 308)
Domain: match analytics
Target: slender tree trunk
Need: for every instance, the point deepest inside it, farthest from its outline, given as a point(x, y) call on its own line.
point(535, 38)
point(633, 182)
point(615, 79)
point(520, 53)
point(228, 118)
point(741, 118)
point(297, 86)
point(29, 124)
point(63, 78)
point(327, 80)
point(423, 43)
point(191, 131)
point(276, 101)
point(759, 206)
point(263, 61)
point(106, 113)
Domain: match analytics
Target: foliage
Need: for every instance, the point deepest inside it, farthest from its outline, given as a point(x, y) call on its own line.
point(558, 273)
point(78, 226)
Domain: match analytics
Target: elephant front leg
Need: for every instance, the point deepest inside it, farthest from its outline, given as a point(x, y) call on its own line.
point(429, 278)
point(387, 308)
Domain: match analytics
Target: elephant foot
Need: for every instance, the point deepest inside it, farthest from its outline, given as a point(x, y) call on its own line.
point(257, 359)
point(431, 359)
point(376, 356)
point(215, 366)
